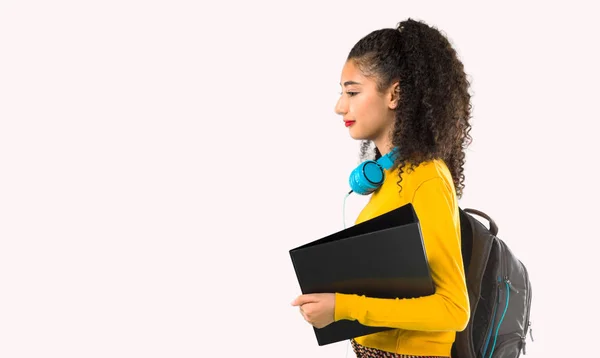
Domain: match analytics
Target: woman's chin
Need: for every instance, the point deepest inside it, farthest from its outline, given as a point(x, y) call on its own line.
point(354, 134)
point(358, 136)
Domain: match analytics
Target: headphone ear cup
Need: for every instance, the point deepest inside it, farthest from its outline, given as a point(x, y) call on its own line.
point(366, 178)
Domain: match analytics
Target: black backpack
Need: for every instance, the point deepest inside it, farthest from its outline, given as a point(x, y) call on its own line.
point(499, 293)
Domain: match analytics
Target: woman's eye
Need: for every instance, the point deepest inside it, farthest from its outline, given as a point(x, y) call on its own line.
point(350, 93)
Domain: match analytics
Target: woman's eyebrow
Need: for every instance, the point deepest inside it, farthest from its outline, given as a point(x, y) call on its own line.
point(348, 83)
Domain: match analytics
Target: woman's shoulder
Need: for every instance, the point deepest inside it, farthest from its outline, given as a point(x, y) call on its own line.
point(429, 170)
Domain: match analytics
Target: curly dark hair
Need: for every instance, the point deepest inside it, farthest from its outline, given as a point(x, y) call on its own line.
point(433, 112)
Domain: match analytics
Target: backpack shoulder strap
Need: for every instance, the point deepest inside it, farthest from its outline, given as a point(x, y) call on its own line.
point(479, 241)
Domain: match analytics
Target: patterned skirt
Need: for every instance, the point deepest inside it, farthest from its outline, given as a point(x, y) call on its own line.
point(366, 352)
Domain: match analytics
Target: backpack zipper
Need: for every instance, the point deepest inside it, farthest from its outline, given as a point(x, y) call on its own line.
point(503, 278)
point(505, 269)
point(488, 334)
point(508, 289)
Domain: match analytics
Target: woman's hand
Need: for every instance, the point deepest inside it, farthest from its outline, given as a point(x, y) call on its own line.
point(318, 309)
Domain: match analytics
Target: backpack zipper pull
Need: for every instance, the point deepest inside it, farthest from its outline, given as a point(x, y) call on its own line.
point(510, 285)
point(530, 331)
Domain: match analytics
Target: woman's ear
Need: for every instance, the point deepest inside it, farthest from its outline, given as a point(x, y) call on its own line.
point(394, 95)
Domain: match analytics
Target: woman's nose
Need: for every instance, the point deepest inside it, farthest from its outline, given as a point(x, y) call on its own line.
point(340, 107)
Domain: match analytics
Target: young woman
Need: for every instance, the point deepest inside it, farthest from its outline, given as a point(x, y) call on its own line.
point(406, 89)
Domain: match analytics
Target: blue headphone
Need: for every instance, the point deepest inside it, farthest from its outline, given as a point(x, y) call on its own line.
point(369, 175)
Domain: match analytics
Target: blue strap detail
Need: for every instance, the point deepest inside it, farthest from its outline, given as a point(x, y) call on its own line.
point(501, 318)
point(487, 340)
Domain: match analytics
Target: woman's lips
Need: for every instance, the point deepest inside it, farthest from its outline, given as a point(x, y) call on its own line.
point(348, 123)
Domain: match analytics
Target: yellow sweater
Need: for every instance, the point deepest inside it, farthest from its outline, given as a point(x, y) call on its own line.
point(424, 325)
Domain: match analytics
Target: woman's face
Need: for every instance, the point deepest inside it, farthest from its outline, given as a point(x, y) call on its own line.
point(368, 113)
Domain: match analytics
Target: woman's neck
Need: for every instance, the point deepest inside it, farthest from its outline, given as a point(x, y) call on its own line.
point(384, 146)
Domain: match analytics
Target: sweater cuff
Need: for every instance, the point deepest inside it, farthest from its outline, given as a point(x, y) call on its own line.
point(344, 303)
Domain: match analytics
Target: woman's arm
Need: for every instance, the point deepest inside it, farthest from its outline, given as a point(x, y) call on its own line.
point(447, 309)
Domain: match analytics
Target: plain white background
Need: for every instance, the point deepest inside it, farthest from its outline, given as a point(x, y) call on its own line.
point(158, 160)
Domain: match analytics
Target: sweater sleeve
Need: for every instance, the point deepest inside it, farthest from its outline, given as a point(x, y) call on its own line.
point(448, 308)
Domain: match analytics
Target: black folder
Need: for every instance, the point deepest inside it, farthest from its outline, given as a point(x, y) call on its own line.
point(383, 258)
